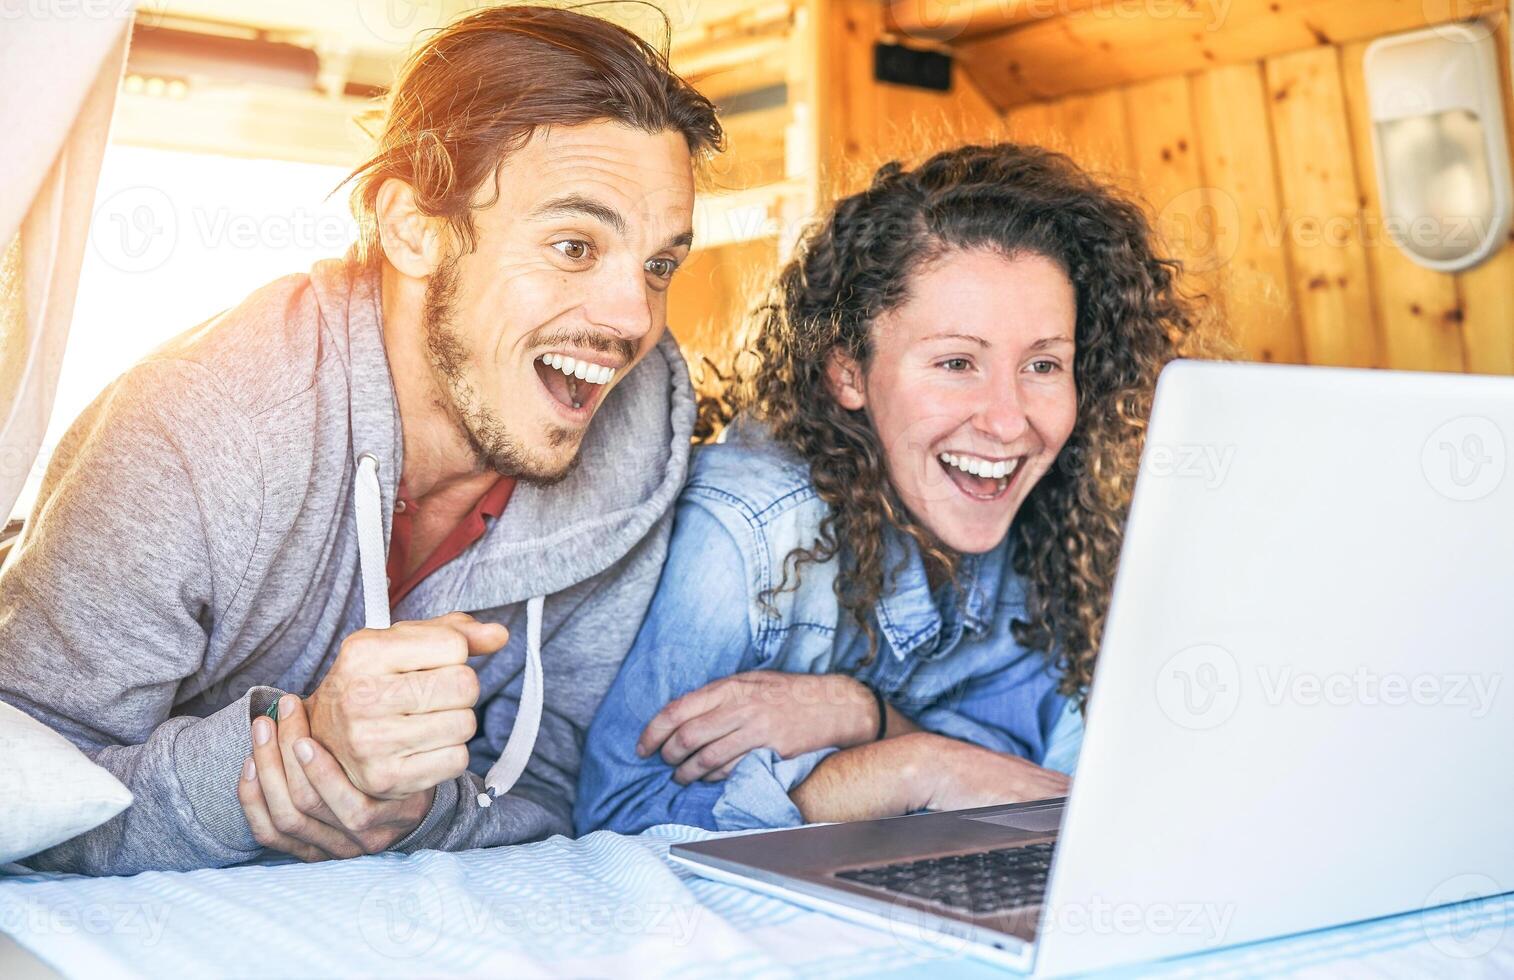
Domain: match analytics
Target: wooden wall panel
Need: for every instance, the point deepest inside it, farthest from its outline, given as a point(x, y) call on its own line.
point(1417, 308)
point(868, 123)
point(1095, 131)
point(713, 291)
point(1322, 207)
point(1487, 292)
point(1109, 44)
point(1167, 170)
point(1033, 122)
point(1256, 166)
point(1235, 146)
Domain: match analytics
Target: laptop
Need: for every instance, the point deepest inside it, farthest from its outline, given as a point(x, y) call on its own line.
point(1300, 716)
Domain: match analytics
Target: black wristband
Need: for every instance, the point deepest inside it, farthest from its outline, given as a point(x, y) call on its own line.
point(882, 713)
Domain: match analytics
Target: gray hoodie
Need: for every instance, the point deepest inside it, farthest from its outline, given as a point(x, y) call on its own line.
point(193, 555)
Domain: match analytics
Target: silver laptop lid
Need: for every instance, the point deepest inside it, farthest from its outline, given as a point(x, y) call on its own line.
point(1300, 715)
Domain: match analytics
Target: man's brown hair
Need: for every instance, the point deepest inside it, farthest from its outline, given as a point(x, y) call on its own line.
point(477, 91)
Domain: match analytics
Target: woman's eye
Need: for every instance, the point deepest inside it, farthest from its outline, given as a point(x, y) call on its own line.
point(956, 364)
point(573, 249)
point(662, 268)
point(1043, 366)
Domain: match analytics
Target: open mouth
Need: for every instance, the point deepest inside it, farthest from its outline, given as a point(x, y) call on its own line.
point(575, 384)
point(979, 478)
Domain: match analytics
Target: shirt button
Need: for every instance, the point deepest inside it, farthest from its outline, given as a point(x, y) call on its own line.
point(399, 508)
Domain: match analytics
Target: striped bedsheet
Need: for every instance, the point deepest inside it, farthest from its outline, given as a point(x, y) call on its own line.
point(607, 906)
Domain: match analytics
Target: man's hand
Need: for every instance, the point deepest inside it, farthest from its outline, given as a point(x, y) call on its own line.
point(396, 709)
point(964, 775)
point(298, 800)
point(706, 732)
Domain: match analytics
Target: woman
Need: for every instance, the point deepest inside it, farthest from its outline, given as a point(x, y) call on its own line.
point(885, 587)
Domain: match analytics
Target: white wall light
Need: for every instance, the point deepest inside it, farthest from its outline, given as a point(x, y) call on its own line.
point(1439, 142)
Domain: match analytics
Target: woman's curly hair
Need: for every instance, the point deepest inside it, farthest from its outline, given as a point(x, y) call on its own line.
point(858, 263)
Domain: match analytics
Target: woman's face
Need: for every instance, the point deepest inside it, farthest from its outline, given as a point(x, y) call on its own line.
point(970, 390)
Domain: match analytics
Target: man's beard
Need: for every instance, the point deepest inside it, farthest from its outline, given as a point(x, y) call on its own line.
point(494, 448)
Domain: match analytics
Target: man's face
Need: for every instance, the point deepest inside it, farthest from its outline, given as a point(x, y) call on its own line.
point(564, 293)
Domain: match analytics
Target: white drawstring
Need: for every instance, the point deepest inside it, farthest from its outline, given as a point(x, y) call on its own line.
point(368, 503)
point(512, 761)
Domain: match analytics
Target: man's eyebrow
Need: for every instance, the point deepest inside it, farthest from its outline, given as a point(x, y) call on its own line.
point(577, 204)
point(686, 238)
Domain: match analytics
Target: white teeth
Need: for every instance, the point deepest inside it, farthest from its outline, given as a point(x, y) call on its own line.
point(981, 467)
point(594, 374)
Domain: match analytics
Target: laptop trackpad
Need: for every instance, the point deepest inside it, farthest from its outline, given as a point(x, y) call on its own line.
point(1037, 821)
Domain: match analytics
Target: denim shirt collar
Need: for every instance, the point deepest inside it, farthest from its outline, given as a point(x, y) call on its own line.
point(910, 617)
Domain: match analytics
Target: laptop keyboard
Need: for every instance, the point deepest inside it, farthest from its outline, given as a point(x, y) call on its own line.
point(984, 883)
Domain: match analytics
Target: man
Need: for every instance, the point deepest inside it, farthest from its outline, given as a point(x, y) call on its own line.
point(217, 528)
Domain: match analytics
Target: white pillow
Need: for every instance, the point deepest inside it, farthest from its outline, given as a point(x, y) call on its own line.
point(50, 790)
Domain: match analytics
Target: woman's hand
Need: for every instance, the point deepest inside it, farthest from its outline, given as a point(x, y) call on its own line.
point(962, 775)
point(706, 732)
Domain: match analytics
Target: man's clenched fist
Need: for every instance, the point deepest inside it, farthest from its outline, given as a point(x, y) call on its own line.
point(396, 709)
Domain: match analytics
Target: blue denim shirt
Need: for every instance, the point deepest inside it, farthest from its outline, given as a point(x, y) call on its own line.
point(946, 659)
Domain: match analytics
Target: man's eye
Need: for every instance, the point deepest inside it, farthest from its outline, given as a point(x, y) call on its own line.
point(573, 249)
point(662, 268)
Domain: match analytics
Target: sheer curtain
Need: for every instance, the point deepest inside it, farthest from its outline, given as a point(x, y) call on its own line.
point(60, 65)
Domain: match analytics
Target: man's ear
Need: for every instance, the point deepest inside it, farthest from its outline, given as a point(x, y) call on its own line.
point(843, 376)
point(412, 241)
